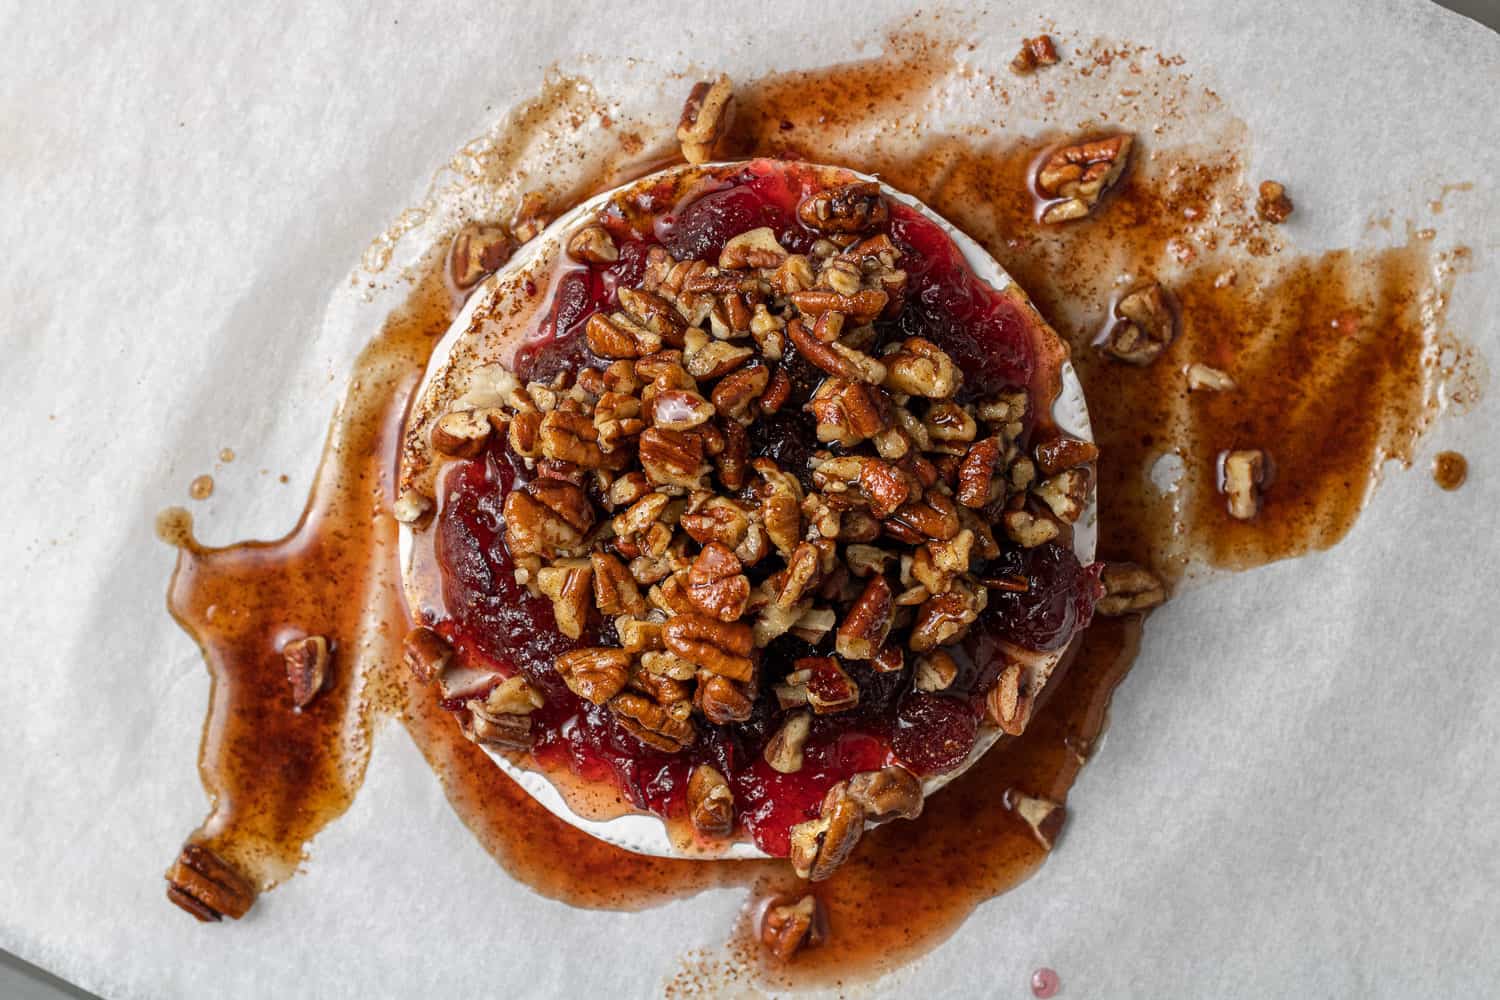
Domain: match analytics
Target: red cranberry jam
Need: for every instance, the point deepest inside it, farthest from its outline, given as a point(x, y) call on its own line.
point(497, 624)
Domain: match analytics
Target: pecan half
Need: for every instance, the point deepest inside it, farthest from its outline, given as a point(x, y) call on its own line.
point(668, 728)
point(720, 647)
point(820, 845)
point(307, 662)
point(705, 118)
point(673, 458)
point(852, 208)
point(787, 928)
point(849, 411)
point(1129, 588)
point(569, 584)
point(710, 802)
point(1077, 176)
point(752, 249)
point(1143, 328)
point(207, 886)
point(721, 700)
point(478, 250)
point(717, 583)
point(548, 518)
point(595, 674)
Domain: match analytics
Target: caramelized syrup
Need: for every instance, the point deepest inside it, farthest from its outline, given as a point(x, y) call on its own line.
point(1335, 371)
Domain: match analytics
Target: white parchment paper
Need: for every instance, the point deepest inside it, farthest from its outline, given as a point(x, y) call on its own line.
point(1298, 792)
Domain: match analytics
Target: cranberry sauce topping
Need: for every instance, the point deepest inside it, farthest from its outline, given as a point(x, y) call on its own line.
point(496, 623)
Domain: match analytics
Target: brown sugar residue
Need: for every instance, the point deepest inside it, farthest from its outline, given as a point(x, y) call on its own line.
point(1341, 361)
point(1450, 470)
point(201, 488)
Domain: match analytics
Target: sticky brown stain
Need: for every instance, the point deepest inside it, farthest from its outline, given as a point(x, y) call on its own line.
point(1450, 470)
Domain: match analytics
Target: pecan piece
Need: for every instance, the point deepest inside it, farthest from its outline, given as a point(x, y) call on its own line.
point(737, 393)
point(1008, 704)
point(1066, 494)
point(673, 458)
point(1043, 816)
point(852, 208)
point(849, 411)
point(820, 845)
point(936, 671)
point(462, 433)
point(717, 583)
point(721, 700)
point(615, 337)
point(1077, 176)
point(705, 118)
point(720, 647)
point(1242, 475)
point(569, 584)
point(934, 516)
point(787, 928)
point(784, 750)
point(593, 245)
point(306, 667)
point(976, 474)
point(753, 248)
point(666, 728)
point(595, 674)
point(503, 717)
point(1203, 378)
point(572, 437)
point(207, 886)
point(1144, 326)
point(861, 306)
point(921, 368)
point(426, 653)
point(887, 793)
point(615, 590)
point(865, 628)
point(1038, 51)
point(835, 358)
point(1029, 529)
point(828, 689)
point(710, 802)
point(1273, 205)
point(1064, 452)
point(945, 618)
point(1129, 588)
point(478, 250)
point(547, 518)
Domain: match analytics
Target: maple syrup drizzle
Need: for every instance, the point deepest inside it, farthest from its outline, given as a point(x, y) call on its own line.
point(1335, 342)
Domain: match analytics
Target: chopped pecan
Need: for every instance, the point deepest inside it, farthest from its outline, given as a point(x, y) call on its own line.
point(936, 671)
point(616, 337)
point(1273, 205)
point(306, 667)
point(820, 845)
point(479, 250)
point(668, 728)
point(1129, 588)
point(592, 245)
point(503, 717)
point(1242, 474)
point(678, 409)
point(1043, 816)
point(1066, 494)
point(1029, 529)
point(569, 584)
point(976, 474)
point(752, 248)
point(853, 208)
point(615, 590)
point(887, 793)
point(934, 516)
point(547, 518)
point(945, 618)
point(1010, 701)
point(207, 886)
point(787, 928)
point(1077, 176)
point(717, 583)
point(860, 307)
point(525, 434)
point(655, 314)
point(426, 653)
point(721, 520)
point(947, 423)
point(889, 659)
point(828, 688)
point(1038, 51)
point(411, 506)
point(705, 118)
point(865, 628)
point(1202, 378)
point(720, 647)
point(710, 802)
point(462, 434)
point(921, 368)
point(572, 437)
point(595, 674)
point(673, 458)
point(1143, 328)
point(835, 358)
point(721, 700)
point(737, 393)
point(1063, 452)
point(849, 411)
point(784, 750)
point(707, 358)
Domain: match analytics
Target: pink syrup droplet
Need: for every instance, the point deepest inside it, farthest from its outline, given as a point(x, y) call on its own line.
point(1044, 983)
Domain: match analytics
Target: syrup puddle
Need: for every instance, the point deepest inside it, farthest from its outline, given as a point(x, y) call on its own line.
point(1347, 343)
